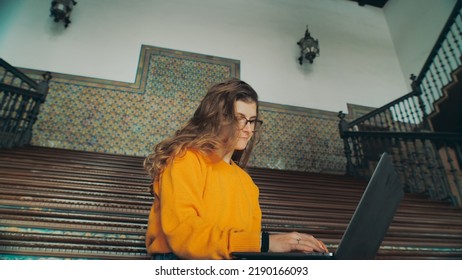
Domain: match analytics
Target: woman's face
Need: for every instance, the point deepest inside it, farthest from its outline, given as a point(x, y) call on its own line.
point(245, 112)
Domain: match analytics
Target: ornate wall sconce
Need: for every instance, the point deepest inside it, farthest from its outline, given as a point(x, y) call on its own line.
point(309, 47)
point(61, 10)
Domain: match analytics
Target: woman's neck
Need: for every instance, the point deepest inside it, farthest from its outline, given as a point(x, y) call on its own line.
point(227, 157)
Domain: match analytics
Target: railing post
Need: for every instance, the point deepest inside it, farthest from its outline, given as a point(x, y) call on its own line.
point(418, 93)
point(42, 88)
point(43, 85)
point(343, 127)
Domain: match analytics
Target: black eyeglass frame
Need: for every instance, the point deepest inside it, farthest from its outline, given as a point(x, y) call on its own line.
point(257, 123)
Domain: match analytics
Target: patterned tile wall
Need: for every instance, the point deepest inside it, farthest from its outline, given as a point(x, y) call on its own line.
point(299, 139)
point(121, 118)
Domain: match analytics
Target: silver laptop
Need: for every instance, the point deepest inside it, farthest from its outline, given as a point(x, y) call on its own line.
point(368, 226)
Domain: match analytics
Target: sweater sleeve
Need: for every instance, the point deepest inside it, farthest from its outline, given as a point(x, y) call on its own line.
point(188, 234)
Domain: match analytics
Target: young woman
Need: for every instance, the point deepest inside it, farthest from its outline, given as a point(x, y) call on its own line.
point(206, 206)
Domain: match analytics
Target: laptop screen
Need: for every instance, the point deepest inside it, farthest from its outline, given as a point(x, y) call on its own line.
point(369, 223)
point(374, 213)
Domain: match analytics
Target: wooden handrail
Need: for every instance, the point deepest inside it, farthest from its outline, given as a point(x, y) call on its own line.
point(18, 74)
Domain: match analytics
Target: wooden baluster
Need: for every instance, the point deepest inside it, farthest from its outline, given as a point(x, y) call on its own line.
point(445, 77)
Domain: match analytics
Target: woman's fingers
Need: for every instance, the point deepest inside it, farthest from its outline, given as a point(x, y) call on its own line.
point(295, 241)
point(308, 243)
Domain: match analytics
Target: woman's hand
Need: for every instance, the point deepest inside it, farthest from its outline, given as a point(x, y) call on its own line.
point(294, 241)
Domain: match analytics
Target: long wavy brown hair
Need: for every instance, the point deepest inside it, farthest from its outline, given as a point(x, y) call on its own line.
point(212, 130)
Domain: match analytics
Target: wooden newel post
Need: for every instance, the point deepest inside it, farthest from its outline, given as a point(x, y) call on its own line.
point(343, 128)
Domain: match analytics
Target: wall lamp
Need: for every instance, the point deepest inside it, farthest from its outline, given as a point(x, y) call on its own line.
point(61, 10)
point(309, 47)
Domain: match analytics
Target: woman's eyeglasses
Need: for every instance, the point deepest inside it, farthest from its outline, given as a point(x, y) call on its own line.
point(254, 124)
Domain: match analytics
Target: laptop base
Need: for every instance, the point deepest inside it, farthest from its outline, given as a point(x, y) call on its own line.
point(282, 256)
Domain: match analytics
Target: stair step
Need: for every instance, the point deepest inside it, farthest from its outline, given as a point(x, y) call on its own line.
point(57, 203)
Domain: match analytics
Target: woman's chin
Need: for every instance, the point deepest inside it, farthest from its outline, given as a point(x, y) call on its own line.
point(241, 144)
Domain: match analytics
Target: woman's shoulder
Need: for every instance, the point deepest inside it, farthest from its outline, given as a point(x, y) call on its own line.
point(188, 161)
point(243, 173)
point(191, 155)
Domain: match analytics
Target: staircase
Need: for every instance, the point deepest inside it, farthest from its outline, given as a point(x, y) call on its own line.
point(447, 116)
point(81, 205)
point(68, 204)
point(422, 130)
point(20, 101)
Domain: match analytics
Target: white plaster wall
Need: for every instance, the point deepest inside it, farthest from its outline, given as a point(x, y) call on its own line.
point(358, 62)
point(414, 26)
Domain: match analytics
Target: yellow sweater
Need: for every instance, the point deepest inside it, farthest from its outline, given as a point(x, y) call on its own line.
point(204, 210)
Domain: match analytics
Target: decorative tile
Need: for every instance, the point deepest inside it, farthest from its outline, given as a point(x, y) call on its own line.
point(130, 118)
